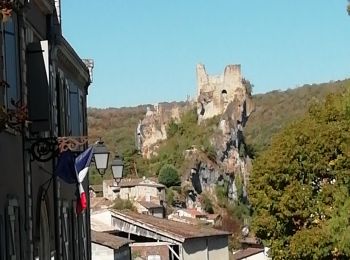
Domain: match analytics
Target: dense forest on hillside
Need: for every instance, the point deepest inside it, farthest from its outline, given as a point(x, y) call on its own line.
point(274, 110)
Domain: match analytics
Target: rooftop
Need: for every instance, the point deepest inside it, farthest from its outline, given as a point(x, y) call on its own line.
point(131, 182)
point(96, 188)
point(176, 230)
point(195, 212)
point(149, 205)
point(242, 254)
point(100, 203)
point(108, 240)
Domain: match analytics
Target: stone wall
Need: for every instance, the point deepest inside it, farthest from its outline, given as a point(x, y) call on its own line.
point(215, 93)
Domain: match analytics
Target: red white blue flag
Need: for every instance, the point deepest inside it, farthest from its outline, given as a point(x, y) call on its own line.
point(82, 163)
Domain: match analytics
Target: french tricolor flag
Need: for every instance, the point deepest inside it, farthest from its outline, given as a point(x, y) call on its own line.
point(82, 163)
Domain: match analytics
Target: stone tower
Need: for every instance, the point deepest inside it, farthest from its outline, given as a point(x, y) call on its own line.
point(215, 92)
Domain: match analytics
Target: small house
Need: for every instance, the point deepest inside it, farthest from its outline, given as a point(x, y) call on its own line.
point(106, 246)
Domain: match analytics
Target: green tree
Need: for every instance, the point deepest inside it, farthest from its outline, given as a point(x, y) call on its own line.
point(169, 176)
point(300, 186)
point(207, 204)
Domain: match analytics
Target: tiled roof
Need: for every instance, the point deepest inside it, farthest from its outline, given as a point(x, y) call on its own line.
point(149, 205)
point(241, 254)
point(100, 202)
point(96, 188)
point(108, 240)
point(131, 182)
point(195, 212)
point(173, 229)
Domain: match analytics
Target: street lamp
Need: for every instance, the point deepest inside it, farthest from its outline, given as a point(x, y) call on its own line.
point(101, 155)
point(117, 168)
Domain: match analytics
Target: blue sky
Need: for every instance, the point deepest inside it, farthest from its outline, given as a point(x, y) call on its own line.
point(146, 51)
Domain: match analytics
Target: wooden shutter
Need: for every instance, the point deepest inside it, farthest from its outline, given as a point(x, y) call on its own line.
point(13, 232)
point(38, 86)
point(65, 232)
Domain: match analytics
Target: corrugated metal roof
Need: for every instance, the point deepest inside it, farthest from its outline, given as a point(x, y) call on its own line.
point(172, 229)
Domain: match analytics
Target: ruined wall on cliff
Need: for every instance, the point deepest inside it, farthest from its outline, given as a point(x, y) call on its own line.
point(227, 96)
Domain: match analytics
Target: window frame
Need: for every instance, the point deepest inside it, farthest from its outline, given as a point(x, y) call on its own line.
point(16, 89)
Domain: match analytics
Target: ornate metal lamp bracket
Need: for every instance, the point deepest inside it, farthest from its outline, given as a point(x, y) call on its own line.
point(45, 149)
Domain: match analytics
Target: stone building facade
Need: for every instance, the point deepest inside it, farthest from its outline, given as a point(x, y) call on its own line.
point(44, 84)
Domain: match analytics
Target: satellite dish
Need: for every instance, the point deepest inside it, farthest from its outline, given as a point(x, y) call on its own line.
point(245, 231)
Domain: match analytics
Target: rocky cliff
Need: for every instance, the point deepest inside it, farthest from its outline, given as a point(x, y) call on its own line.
point(152, 128)
point(227, 96)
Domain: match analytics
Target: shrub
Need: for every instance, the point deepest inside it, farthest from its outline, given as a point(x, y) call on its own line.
point(121, 204)
point(207, 204)
point(169, 176)
point(170, 196)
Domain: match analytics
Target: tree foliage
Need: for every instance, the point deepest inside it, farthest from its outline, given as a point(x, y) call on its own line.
point(169, 176)
point(300, 186)
point(276, 109)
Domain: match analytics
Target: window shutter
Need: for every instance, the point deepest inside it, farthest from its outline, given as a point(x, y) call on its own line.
point(65, 233)
point(75, 232)
point(13, 231)
point(84, 236)
point(74, 110)
point(11, 60)
point(38, 86)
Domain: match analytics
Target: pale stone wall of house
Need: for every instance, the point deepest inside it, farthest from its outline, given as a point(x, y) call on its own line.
point(206, 248)
point(109, 191)
point(99, 252)
point(218, 248)
point(139, 193)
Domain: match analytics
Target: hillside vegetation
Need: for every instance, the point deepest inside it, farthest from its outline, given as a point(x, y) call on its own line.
point(274, 110)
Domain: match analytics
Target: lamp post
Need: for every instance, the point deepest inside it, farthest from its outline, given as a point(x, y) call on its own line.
point(117, 168)
point(101, 156)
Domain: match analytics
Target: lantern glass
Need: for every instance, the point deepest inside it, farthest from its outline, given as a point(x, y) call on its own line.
point(117, 167)
point(101, 156)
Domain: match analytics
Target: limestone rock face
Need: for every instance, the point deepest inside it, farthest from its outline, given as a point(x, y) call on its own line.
point(152, 128)
point(228, 96)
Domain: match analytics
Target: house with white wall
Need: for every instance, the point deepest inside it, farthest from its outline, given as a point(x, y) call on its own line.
point(146, 194)
point(183, 241)
point(105, 246)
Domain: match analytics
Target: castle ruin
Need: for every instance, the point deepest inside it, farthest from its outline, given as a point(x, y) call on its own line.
point(215, 92)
